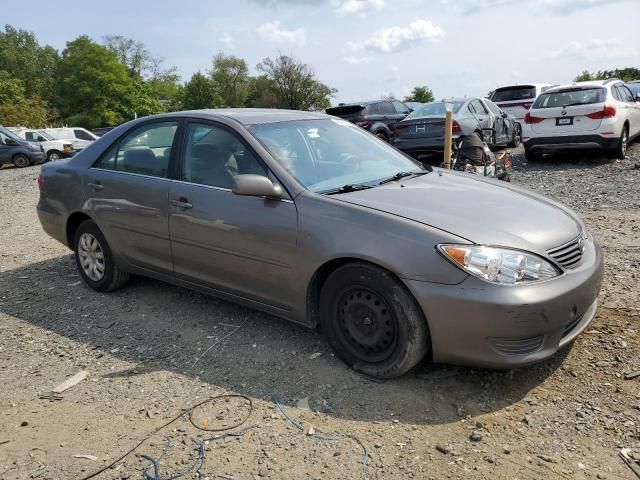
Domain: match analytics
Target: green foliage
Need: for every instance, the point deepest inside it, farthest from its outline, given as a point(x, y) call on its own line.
point(420, 94)
point(11, 89)
point(624, 74)
point(27, 112)
point(93, 82)
point(295, 84)
point(22, 57)
point(262, 93)
point(231, 74)
point(201, 92)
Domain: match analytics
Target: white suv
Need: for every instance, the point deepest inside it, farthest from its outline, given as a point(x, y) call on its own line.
point(516, 100)
point(80, 137)
point(588, 115)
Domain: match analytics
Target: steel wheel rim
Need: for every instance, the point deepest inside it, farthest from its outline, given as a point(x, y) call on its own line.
point(22, 161)
point(91, 257)
point(623, 141)
point(54, 156)
point(365, 324)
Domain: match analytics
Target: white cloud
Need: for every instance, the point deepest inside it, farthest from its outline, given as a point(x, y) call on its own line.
point(564, 7)
point(359, 7)
point(272, 32)
point(357, 60)
point(394, 39)
point(595, 50)
point(392, 73)
point(226, 40)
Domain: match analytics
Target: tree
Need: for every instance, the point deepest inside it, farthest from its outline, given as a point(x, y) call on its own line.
point(421, 95)
point(131, 53)
point(231, 74)
point(584, 77)
point(26, 112)
point(262, 93)
point(295, 84)
point(11, 89)
point(22, 57)
point(624, 74)
point(201, 92)
point(94, 83)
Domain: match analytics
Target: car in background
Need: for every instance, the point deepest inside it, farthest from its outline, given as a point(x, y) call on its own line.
point(516, 100)
point(378, 117)
point(101, 131)
point(601, 115)
point(80, 137)
point(413, 105)
point(421, 133)
point(634, 86)
point(313, 219)
point(19, 152)
point(54, 149)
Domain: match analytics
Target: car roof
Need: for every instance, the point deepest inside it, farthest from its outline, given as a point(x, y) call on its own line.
point(589, 84)
point(524, 85)
point(251, 116)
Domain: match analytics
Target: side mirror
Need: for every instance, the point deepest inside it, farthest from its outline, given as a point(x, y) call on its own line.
point(41, 138)
point(255, 186)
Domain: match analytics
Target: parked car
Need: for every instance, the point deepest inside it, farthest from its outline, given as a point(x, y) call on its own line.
point(312, 219)
point(634, 86)
point(516, 100)
point(421, 134)
point(54, 149)
point(17, 151)
point(378, 116)
point(80, 137)
point(599, 114)
point(98, 132)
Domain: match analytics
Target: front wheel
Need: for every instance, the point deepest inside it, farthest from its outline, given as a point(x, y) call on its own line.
point(94, 259)
point(54, 155)
point(372, 321)
point(21, 161)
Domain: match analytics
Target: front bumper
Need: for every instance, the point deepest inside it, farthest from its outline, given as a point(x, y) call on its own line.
point(479, 324)
point(38, 157)
point(571, 142)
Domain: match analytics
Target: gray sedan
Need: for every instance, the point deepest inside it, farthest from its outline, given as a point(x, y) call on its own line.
point(312, 219)
point(421, 133)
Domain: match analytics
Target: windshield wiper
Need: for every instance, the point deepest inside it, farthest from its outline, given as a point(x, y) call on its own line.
point(352, 187)
point(401, 175)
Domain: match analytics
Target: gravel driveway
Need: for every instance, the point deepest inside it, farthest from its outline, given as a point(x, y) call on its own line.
point(152, 350)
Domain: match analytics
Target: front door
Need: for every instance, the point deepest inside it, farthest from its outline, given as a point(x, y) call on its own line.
point(236, 244)
point(127, 193)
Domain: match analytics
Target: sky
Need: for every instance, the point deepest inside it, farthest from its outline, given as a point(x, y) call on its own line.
point(365, 48)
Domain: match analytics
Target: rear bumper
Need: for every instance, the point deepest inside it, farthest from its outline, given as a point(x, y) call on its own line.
point(421, 146)
point(484, 325)
point(52, 222)
point(570, 142)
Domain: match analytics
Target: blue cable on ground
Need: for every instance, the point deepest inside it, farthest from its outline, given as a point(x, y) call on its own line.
point(320, 436)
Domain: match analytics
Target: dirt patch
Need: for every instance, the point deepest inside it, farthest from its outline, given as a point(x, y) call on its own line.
point(145, 348)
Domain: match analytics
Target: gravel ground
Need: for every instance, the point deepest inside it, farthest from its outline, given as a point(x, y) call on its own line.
point(146, 351)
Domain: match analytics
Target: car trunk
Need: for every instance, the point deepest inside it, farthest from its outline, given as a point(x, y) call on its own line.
point(422, 127)
point(568, 111)
point(515, 100)
point(353, 113)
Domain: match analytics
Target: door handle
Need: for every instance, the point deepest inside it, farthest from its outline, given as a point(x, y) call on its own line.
point(182, 203)
point(95, 186)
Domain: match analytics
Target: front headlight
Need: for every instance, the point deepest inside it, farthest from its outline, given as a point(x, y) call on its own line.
point(34, 147)
point(503, 266)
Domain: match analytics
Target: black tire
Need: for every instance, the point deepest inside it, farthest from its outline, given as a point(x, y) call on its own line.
point(372, 321)
point(383, 136)
point(621, 150)
point(112, 277)
point(517, 135)
point(532, 155)
point(53, 155)
point(21, 160)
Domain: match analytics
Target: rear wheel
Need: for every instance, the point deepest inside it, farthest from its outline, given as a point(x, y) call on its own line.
point(517, 135)
point(94, 259)
point(372, 321)
point(532, 156)
point(621, 150)
point(21, 160)
point(382, 136)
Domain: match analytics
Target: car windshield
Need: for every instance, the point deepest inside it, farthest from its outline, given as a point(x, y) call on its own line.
point(570, 96)
point(45, 135)
point(11, 135)
point(324, 155)
point(436, 109)
point(508, 94)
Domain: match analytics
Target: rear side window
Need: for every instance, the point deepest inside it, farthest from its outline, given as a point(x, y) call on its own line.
point(477, 107)
point(571, 97)
point(144, 151)
point(386, 108)
point(82, 135)
point(494, 108)
point(373, 109)
point(625, 93)
point(519, 92)
point(400, 107)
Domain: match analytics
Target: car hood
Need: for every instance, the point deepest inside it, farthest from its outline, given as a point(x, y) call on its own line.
point(483, 211)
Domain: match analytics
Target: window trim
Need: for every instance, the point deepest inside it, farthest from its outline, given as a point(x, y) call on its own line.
point(116, 143)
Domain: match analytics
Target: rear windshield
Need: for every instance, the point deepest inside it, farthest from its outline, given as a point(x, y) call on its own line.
point(435, 109)
point(507, 94)
point(570, 97)
point(346, 111)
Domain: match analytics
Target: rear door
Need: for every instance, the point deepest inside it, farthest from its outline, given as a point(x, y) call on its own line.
point(501, 124)
point(571, 110)
point(632, 108)
point(127, 193)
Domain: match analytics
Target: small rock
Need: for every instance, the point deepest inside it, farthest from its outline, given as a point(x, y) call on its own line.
point(475, 436)
point(443, 449)
point(506, 450)
point(546, 458)
point(313, 356)
point(377, 445)
point(581, 466)
point(303, 403)
point(632, 375)
point(527, 419)
point(24, 423)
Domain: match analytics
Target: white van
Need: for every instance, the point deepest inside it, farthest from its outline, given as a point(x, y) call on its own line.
point(80, 137)
point(53, 148)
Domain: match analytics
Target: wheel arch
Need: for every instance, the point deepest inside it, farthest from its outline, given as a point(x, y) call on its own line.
point(73, 222)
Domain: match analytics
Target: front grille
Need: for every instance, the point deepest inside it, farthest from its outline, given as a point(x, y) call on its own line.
point(516, 346)
point(569, 327)
point(569, 254)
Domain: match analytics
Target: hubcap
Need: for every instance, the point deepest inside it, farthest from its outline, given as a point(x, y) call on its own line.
point(91, 257)
point(624, 142)
point(365, 324)
point(54, 156)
